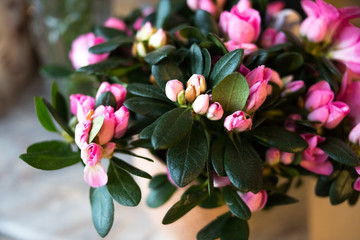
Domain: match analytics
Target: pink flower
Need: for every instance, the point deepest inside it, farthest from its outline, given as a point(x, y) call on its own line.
point(274, 7)
point(290, 123)
point(354, 135)
point(173, 88)
point(107, 130)
point(82, 130)
point(137, 23)
point(356, 185)
point(116, 24)
point(255, 202)
point(95, 176)
point(215, 112)
point(257, 80)
point(271, 37)
point(158, 39)
point(292, 87)
point(287, 158)
point(248, 47)
point(220, 181)
point(313, 158)
point(81, 105)
point(242, 23)
point(91, 154)
point(237, 122)
point(80, 55)
point(206, 5)
point(121, 121)
point(330, 115)
point(272, 156)
point(318, 95)
point(201, 104)
point(116, 89)
point(108, 150)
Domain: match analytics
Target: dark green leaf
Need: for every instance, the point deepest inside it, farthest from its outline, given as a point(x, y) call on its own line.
point(160, 191)
point(108, 33)
point(214, 200)
point(135, 155)
point(340, 151)
point(110, 45)
point(196, 60)
point(59, 102)
point(162, 13)
point(102, 67)
point(273, 136)
point(243, 166)
point(327, 75)
point(165, 71)
point(102, 208)
point(207, 62)
point(106, 99)
point(232, 92)
point(129, 168)
point(148, 131)
point(235, 228)
point(43, 115)
point(277, 199)
point(156, 56)
point(171, 128)
point(122, 187)
point(236, 205)
point(96, 127)
point(192, 33)
point(322, 187)
point(217, 156)
point(292, 61)
point(229, 63)
point(158, 181)
point(147, 107)
point(147, 91)
point(55, 71)
point(213, 229)
point(49, 146)
point(341, 188)
point(206, 22)
point(217, 41)
point(186, 160)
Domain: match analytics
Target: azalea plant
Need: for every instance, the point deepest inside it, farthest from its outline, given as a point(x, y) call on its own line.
point(239, 99)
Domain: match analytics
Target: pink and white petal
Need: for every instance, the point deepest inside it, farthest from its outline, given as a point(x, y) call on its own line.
point(310, 8)
point(95, 176)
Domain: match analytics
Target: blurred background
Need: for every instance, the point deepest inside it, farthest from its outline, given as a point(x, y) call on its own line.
point(36, 204)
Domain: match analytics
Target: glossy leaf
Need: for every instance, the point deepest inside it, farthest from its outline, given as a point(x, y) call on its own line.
point(108, 33)
point(196, 60)
point(160, 191)
point(192, 33)
point(206, 22)
point(110, 45)
point(217, 41)
point(95, 127)
point(292, 61)
point(103, 66)
point(129, 168)
point(217, 156)
point(235, 228)
point(147, 91)
point(106, 99)
point(55, 71)
point(277, 199)
point(148, 131)
point(59, 103)
point(43, 115)
point(165, 71)
point(156, 56)
point(236, 205)
point(341, 188)
point(162, 13)
point(147, 107)
point(207, 62)
point(213, 229)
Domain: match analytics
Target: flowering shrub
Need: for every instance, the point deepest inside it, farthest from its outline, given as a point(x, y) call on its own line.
point(234, 109)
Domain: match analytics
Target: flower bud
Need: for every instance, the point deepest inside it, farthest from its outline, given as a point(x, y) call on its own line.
point(292, 87)
point(337, 112)
point(145, 32)
point(181, 97)
point(255, 202)
point(82, 130)
point(91, 154)
point(220, 181)
point(237, 122)
point(199, 83)
point(287, 158)
point(318, 95)
point(108, 150)
point(116, 89)
point(116, 24)
point(215, 112)
point(140, 49)
point(121, 121)
point(95, 176)
point(158, 39)
point(356, 185)
point(190, 93)
point(106, 132)
point(354, 135)
point(272, 156)
point(201, 104)
point(80, 105)
point(173, 88)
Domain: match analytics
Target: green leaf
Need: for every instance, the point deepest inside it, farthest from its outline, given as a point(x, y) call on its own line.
point(147, 107)
point(232, 92)
point(214, 200)
point(162, 13)
point(171, 128)
point(96, 127)
point(278, 199)
point(292, 61)
point(148, 131)
point(108, 33)
point(110, 45)
point(243, 166)
point(135, 155)
point(59, 102)
point(161, 191)
point(165, 71)
point(102, 208)
point(273, 136)
point(147, 91)
point(184, 205)
point(186, 160)
point(236, 205)
point(235, 229)
point(207, 62)
point(106, 99)
point(213, 229)
point(341, 188)
point(103, 66)
point(340, 151)
point(156, 56)
point(218, 42)
point(129, 168)
point(192, 33)
point(217, 156)
point(196, 60)
point(206, 22)
point(43, 115)
point(322, 187)
point(55, 71)
point(50, 155)
point(122, 187)
point(229, 63)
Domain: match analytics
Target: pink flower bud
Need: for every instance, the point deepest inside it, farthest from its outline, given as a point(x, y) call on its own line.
point(356, 185)
point(237, 122)
point(158, 39)
point(354, 135)
point(248, 47)
point(145, 32)
point(290, 123)
point(116, 24)
point(255, 202)
point(199, 83)
point(201, 104)
point(137, 23)
point(106, 132)
point(80, 105)
point(292, 87)
point(337, 112)
point(272, 156)
point(318, 95)
point(320, 114)
point(121, 121)
point(108, 150)
point(91, 154)
point(271, 37)
point(206, 5)
point(80, 55)
point(116, 89)
point(357, 168)
point(82, 130)
point(220, 181)
point(313, 158)
point(287, 158)
point(95, 176)
point(215, 112)
point(173, 88)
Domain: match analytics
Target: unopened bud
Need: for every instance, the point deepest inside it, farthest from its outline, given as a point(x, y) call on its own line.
point(272, 156)
point(215, 112)
point(292, 87)
point(181, 97)
point(201, 104)
point(190, 93)
point(172, 89)
point(145, 32)
point(237, 122)
point(141, 49)
point(287, 158)
point(199, 83)
point(158, 39)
